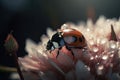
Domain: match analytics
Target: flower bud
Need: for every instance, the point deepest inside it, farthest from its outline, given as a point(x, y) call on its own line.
point(11, 44)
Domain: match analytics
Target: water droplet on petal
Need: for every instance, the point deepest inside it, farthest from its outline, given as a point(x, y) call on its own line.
point(91, 42)
point(112, 45)
point(103, 41)
point(98, 63)
point(96, 57)
point(88, 29)
point(91, 58)
point(100, 69)
point(111, 55)
point(105, 57)
point(95, 49)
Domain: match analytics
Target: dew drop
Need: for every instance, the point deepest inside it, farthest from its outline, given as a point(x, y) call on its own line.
point(95, 49)
point(88, 29)
point(103, 41)
point(91, 58)
point(96, 57)
point(88, 68)
point(105, 57)
point(111, 55)
point(98, 63)
point(91, 42)
point(112, 45)
point(100, 69)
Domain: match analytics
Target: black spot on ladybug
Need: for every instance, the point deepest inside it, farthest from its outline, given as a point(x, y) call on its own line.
point(80, 39)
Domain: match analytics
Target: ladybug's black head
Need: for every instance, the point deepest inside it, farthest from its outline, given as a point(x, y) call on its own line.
point(55, 42)
point(49, 45)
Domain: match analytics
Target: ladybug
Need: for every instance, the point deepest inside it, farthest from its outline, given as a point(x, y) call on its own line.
point(71, 38)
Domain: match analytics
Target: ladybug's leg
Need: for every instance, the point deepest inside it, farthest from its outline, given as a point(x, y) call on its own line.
point(70, 50)
point(58, 51)
point(72, 53)
point(50, 51)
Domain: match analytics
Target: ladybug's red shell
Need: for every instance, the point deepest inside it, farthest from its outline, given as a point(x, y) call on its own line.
point(70, 34)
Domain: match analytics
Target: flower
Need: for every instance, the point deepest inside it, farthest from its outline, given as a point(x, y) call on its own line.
point(100, 60)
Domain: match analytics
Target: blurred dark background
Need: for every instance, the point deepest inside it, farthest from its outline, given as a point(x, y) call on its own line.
point(30, 18)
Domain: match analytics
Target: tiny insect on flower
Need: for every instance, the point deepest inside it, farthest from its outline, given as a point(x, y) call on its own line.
point(70, 38)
